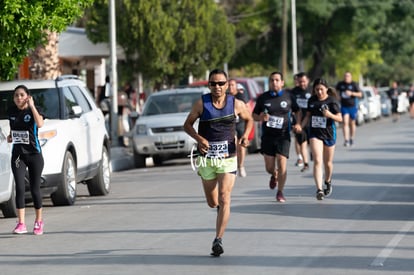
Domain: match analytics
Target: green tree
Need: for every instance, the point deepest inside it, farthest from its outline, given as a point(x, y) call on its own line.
point(23, 26)
point(166, 40)
point(396, 41)
point(340, 35)
point(258, 33)
point(333, 35)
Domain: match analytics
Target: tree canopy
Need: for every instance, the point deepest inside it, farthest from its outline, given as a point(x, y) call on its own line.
point(166, 40)
point(23, 24)
point(333, 35)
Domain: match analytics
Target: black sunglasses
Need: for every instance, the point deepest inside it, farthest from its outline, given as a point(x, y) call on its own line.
point(220, 83)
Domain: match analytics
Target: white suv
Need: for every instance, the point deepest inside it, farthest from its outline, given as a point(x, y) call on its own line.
point(74, 140)
point(7, 190)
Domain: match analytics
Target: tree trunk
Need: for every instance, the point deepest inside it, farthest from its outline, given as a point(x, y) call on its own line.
point(317, 69)
point(44, 60)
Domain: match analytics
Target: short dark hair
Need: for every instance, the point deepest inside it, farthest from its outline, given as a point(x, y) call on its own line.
point(217, 71)
point(276, 72)
point(300, 75)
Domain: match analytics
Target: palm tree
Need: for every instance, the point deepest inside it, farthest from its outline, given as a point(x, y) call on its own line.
point(44, 60)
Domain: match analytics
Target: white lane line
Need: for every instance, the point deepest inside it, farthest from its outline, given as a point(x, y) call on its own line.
point(386, 252)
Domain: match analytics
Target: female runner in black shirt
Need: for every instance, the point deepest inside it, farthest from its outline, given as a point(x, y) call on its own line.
point(322, 113)
point(25, 120)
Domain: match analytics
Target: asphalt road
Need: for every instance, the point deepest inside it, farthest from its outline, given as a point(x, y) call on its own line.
point(155, 220)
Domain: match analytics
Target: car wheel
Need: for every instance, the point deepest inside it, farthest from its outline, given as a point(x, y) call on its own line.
point(157, 160)
point(9, 207)
point(66, 192)
point(100, 184)
point(139, 160)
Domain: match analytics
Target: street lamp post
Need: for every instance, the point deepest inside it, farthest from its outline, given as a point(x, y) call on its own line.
point(294, 38)
point(114, 75)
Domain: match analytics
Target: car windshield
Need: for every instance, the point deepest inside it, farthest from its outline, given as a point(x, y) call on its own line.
point(170, 103)
point(46, 99)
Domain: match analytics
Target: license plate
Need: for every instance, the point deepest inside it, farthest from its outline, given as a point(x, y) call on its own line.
point(169, 139)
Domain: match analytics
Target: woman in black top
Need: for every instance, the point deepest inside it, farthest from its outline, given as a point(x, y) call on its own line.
point(25, 120)
point(322, 113)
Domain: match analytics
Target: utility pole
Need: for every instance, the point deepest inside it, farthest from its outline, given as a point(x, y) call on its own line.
point(284, 37)
point(114, 74)
point(294, 38)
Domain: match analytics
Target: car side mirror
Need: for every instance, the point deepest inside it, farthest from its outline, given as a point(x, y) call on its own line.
point(76, 111)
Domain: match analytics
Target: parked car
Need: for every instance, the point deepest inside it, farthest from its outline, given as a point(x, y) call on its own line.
point(74, 140)
point(403, 102)
point(385, 103)
point(362, 114)
point(158, 131)
point(372, 101)
point(7, 188)
point(253, 91)
point(263, 82)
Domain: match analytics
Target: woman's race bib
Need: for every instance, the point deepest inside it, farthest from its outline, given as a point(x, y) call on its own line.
point(275, 122)
point(318, 122)
point(218, 149)
point(20, 137)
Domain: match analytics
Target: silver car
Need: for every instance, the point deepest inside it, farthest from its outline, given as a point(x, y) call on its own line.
point(158, 131)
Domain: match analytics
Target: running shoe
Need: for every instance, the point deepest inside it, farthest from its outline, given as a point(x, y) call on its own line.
point(20, 228)
point(347, 143)
point(328, 190)
point(319, 195)
point(299, 163)
point(305, 167)
point(272, 182)
point(351, 142)
point(217, 248)
point(38, 228)
point(280, 197)
point(242, 172)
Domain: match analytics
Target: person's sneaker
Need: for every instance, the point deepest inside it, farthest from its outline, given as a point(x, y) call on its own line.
point(351, 142)
point(242, 172)
point(217, 248)
point(272, 182)
point(299, 163)
point(38, 228)
point(346, 143)
point(280, 197)
point(20, 228)
point(305, 167)
point(319, 195)
point(328, 190)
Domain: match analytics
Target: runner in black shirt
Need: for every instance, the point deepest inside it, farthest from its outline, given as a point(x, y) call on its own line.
point(25, 120)
point(274, 109)
point(349, 92)
point(393, 93)
point(322, 113)
point(302, 92)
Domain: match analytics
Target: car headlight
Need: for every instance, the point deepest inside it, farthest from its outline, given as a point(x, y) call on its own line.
point(44, 137)
point(141, 129)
